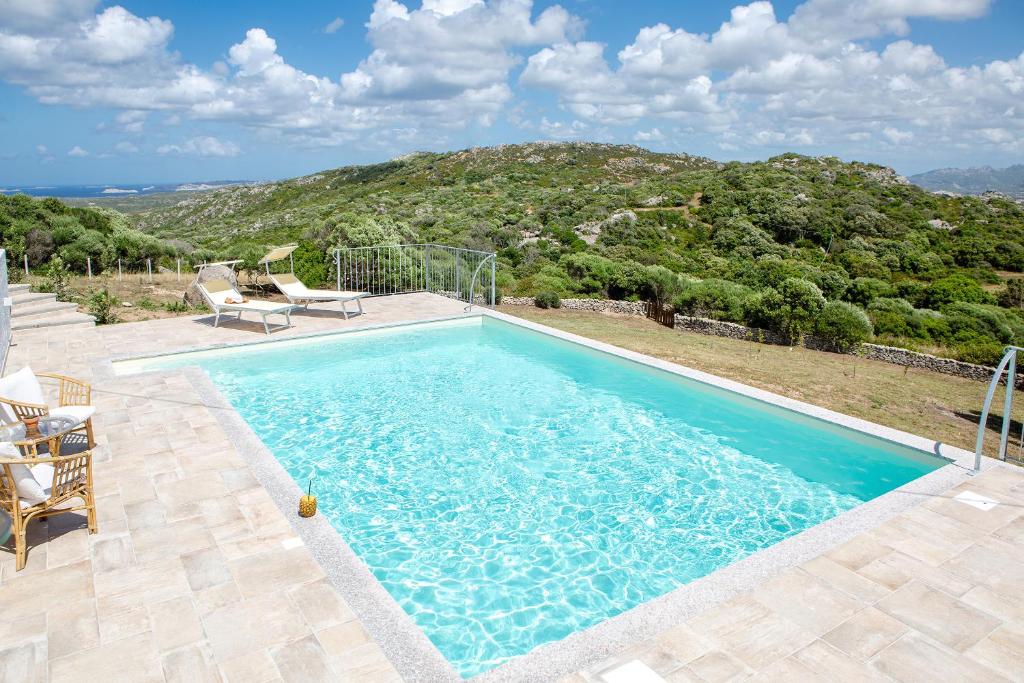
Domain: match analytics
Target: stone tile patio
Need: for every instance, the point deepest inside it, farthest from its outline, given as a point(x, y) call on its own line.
point(197, 575)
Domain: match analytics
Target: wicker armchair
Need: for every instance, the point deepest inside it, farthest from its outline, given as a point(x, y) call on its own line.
point(63, 478)
point(73, 393)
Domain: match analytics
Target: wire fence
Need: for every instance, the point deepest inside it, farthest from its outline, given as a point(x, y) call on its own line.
point(463, 274)
point(5, 312)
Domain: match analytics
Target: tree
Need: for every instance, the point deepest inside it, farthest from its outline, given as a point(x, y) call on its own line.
point(843, 325)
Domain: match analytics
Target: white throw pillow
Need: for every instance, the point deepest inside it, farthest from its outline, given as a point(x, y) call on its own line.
point(21, 386)
point(29, 489)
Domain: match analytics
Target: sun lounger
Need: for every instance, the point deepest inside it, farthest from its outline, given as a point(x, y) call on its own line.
point(298, 293)
point(223, 298)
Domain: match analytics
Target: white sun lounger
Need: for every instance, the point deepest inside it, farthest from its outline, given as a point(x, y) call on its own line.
point(299, 293)
point(216, 293)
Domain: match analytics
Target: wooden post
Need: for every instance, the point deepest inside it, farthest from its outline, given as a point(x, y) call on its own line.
point(179, 269)
point(26, 265)
point(120, 275)
point(149, 267)
point(88, 265)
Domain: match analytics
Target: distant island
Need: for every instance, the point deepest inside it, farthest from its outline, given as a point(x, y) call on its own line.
point(117, 189)
point(974, 181)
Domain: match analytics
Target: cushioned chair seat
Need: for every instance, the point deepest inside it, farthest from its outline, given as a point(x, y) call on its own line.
point(77, 413)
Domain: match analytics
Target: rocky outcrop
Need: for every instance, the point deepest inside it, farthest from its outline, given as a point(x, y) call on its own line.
point(591, 230)
point(194, 297)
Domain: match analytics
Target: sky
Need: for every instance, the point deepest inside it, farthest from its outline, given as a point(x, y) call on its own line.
point(148, 92)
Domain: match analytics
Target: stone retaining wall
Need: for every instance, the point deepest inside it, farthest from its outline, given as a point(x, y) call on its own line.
point(720, 328)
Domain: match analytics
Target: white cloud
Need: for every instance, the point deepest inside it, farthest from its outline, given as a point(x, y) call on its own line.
point(77, 151)
point(203, 146)
point(761, 82)
point(651, 135)
point(126, 147)
point(333, 25)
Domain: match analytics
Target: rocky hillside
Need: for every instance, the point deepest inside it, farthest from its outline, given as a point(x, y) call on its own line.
point(977, 180)
point(731, 241)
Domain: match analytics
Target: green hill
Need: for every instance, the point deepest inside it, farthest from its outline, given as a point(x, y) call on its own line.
point(794, 243)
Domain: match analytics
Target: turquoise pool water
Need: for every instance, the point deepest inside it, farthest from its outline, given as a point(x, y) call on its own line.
point(508, 488)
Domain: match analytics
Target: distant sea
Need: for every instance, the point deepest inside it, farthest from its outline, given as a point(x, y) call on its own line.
point(115, 190)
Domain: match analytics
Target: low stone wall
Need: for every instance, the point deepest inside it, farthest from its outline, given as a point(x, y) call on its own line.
point(720, 328)
point(595, 305)
point(913, 359)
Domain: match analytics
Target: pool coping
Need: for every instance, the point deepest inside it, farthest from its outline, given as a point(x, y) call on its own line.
point(407, 646)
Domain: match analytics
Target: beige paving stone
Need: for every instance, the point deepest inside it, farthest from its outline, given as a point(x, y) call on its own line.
point(858, 552)
point(303, 661)
point(28, 594)
point(254, 667)
point(718, 667)
point(916, 658)
point(192, 489)
point(206, 568)
point(684, 643)
point(72, 628)
point(897, 569)
point(275, 570)
point(829, 663)
point(69, 545)
point(806, 601)
point(116, 621)
point(789, 670)
point(993, 563)
point(981, 520)
point(850, 582)
point(251, 625)
point(191, 664)
point(143, 584)
point(1004, 607)
point(175, 623)
point(215, 597)
point(343, 638)
point(999, 658)
point(1012, 532)
point(145, 513)
point(752, 632)
point(320, 604)
point(938, 615)
point(24, 663)
point(365, 663)
point(866, 633)
point(114, 552)
point(130, 659)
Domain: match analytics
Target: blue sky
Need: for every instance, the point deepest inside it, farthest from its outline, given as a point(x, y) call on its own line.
point(164, 92)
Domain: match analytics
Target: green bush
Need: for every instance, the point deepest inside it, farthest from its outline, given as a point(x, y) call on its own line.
point(864, 290)
point(843, 325)
point(57, 279)
point(979, 352)
point(547, 300)
point(714, 298)
point(955, 288)
point(310, 265)
point(801, 303)
point(103, 307)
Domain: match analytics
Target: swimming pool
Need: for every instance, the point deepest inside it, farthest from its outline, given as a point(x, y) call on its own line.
point(508, 488)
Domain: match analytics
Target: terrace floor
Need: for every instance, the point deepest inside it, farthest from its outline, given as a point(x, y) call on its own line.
point(197, 574)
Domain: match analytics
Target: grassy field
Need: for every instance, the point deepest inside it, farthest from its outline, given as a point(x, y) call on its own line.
point(936, 406)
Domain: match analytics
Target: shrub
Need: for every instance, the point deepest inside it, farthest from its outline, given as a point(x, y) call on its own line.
point(714, 298)
point(56, 279)
point(103, 307)
point(979, 352)
point(844, 326)
point(802, 302)
point(955, 288)
point(662, 285)
point(864, 290)
point(1013, 295)
point(310, 264)
point(547, 299)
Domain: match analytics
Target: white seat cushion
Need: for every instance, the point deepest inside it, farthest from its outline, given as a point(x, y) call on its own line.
point(42, 475)
point(77, 413)
point(21, 386)
point(30, 489)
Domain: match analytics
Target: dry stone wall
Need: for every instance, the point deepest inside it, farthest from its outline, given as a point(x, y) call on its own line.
point(720, 328)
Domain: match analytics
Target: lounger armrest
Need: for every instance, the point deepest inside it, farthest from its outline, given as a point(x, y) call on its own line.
point(73, 392)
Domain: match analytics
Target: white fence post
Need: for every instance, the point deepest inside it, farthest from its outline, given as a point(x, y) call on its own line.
point(120, 275)
point(26, 265)
point(179, 270)
point(149, 268)
point(88, 265)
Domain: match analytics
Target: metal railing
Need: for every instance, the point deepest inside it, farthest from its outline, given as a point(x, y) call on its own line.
point(1009, 365)
point(406, 268)
point(5, 312)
